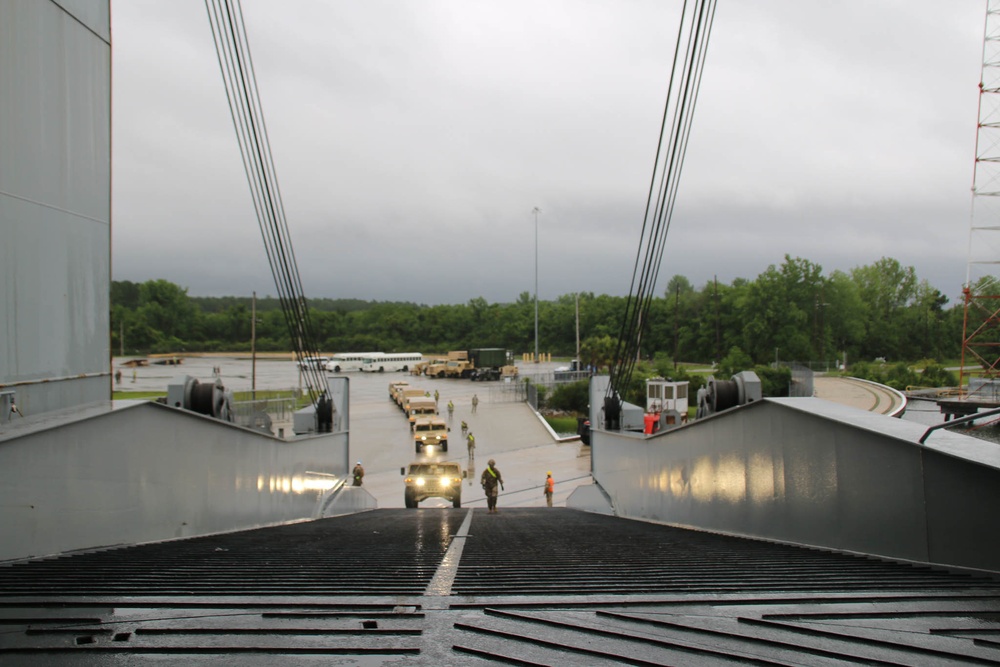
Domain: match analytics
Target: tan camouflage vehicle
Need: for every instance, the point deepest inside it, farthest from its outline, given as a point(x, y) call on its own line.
point(404, 395)
point(453, 368)
point(421, 407)
point(426, 479)
point(397, 386)
point(430, 435)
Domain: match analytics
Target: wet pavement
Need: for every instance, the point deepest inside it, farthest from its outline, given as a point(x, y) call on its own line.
point(505, 430)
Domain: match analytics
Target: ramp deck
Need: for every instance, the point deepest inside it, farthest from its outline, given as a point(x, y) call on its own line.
point(533, 586)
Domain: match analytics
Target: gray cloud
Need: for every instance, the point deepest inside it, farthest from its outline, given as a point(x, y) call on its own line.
point(413, 139)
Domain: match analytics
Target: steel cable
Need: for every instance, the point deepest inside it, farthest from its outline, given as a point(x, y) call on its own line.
point(682, 94)
point(243, 97)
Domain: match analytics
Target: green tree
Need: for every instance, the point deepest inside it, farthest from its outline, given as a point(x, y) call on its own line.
point(598, 351)
point(843, 318)
point(780, 310)
point(886, 288)
point(737, 360)
point(571, 396)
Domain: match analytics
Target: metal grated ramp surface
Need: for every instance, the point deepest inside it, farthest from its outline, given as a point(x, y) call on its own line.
point(458, 586)
point(395, 553)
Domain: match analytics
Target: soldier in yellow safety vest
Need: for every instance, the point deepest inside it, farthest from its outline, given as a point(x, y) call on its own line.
point(491, 477)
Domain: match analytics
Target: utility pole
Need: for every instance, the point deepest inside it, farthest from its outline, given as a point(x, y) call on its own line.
point(718, 324)
point(536, 211)
point(578, 330)
point(253, 347)
point(677, 322)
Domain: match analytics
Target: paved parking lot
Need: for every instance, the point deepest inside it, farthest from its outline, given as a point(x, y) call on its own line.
point(380, 435)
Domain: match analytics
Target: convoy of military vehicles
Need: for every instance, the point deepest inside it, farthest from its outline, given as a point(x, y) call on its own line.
point(441, 479)
point(428, 478)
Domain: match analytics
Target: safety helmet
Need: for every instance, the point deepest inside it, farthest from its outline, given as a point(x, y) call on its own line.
point(491, 462)
point(359, 462)
point(549, 473)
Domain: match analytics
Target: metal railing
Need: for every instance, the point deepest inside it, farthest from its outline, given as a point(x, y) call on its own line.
point(263, 412)
point(958, 422)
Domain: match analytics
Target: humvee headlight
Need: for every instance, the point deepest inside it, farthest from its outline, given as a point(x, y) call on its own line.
point(446, 481)
point(420, 481)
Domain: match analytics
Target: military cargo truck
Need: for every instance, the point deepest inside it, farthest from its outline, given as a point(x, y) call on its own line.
point(405, 394)
point(420, 406)
point(491, 363)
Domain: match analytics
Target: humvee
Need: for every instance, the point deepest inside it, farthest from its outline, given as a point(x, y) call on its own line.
point(432, 480)
point(430, 432)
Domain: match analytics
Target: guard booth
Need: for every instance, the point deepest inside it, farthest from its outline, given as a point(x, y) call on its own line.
point(666, 404)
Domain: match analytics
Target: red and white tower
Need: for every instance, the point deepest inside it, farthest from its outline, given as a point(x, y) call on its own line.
point(981, 328)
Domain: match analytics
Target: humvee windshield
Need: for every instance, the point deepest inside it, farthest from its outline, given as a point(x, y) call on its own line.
point(435, 469)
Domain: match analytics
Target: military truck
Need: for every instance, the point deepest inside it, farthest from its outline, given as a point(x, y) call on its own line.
point(491, 363)
point(456, 365)
point(430, 434)
point(406, 393)
point(397, 386)
point(432, 480)
point(419, 407)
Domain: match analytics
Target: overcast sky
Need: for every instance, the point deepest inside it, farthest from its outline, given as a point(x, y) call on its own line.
point(412, 139)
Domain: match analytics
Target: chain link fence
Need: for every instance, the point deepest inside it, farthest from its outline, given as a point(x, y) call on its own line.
point(801, 384)
point(515, 391)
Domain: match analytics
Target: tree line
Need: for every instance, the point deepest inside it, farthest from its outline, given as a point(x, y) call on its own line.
point(791, 311)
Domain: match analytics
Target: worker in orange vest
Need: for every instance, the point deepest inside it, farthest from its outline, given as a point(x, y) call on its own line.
point(550, 487)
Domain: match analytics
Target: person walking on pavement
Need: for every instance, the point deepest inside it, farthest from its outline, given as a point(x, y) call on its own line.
point(550, 487)
point(472, 444)
point(465, 427)
point(437, 395)
point(490, 479)
point(359, 474)
point(451, 409)
point(475, 403)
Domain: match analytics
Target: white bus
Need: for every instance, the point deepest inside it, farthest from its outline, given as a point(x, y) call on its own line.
point(319, 363)
point(348, 361)
point(391, 361)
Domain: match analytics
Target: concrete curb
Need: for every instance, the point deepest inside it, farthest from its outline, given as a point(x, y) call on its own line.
point(555, 436)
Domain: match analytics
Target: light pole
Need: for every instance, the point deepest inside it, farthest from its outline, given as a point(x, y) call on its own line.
point(536, 211)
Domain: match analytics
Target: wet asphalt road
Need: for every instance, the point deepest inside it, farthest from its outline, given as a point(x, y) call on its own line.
point(380, 437)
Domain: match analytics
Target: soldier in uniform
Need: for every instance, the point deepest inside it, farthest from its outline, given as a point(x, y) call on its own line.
point(490, 479)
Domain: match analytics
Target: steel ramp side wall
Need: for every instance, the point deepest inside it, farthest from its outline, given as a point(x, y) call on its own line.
point(776, 470)
point(150, 472)
point(55, 202)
